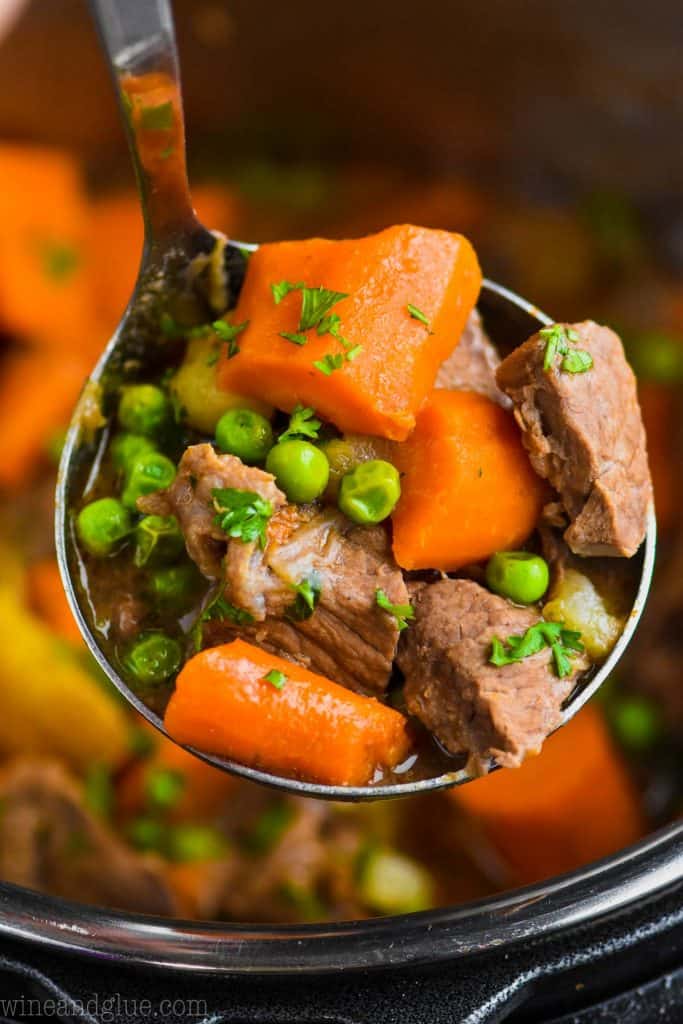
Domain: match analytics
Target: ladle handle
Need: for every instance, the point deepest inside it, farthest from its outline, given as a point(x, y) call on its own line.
point(138, 38)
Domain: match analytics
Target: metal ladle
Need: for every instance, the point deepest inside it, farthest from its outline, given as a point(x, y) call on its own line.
point(138, 39)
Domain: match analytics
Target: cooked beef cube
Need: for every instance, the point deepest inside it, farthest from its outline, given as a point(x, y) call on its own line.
point(348, 637)
point(50, 842)
point(190, 499)
point(472, 364)
point(584, 433)
point(469, 704)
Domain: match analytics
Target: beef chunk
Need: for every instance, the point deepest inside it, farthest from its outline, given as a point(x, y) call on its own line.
point(189, 498)
point(472, 364)
point(50, 842)
point(348, 637)
point(584, 433)
point(470, 705)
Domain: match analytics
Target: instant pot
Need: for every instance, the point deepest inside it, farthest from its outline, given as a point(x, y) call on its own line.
point(603, 943)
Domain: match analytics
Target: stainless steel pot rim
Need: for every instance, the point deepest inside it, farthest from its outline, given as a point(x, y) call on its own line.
point(606, 887)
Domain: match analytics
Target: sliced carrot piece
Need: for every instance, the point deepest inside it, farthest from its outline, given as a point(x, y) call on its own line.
point(44, 281)
point(381, 389)
point(38, 391)
point(468, 488)
point(570, 805)
point(47, 598)
point(310, 728)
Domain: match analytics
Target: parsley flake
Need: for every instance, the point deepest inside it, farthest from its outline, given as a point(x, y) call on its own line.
point(296, 339)
point(242, 515)
point(306, 600)
point(563, 643)
point(577, 361)
point(558, 341)
point(218, 609)
point(403, 613)
point(283, 288)
point(302, 424)
point(315, 303)
point(417, 314)
point(229, 333)
point(276, 678)
point(157, 119)
point(354, 351)
point(329, 363)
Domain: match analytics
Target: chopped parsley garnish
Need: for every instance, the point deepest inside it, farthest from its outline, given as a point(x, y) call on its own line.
point(315, 312)
point(242, 515)
point(307, 597)
point(558, 341)
point(229, 333)
point(330, 324)
point(157, 119)
point(276, 678)
point(296, 339)
point(403, 613)
point(167, 152)
point(329, 363)
point(563, 643)
point(302, 424)
point(218, 609)
point(283, 288)
point(60, 260)
point(417, 314)
point(315, 304)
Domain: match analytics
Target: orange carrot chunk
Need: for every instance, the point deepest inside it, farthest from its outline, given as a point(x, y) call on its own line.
point(38, 391)
point(468, 488)
point(265, 712)
point(570, 805)
point(395, 353)
point(47, 598)
point(44, 288)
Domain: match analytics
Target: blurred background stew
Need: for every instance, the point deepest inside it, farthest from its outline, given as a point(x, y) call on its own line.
point(550, 135)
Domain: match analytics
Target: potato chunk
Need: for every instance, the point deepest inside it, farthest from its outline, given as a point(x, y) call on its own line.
point(577, 602)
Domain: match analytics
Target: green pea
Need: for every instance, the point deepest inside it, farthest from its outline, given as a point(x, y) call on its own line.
point(148, 473)
point(518, 575)
point(164, 787)
point(637, 722)
point(658, 357)
point(153, 658)
point(392, 883)
point(146, 833)
point(188, 842)
point(102, 524)
point(369, 493)
point(125, 448)
point(144, 409)
point(174, 585)
point(158, 539)
point(244, 433)
point(300, 469)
